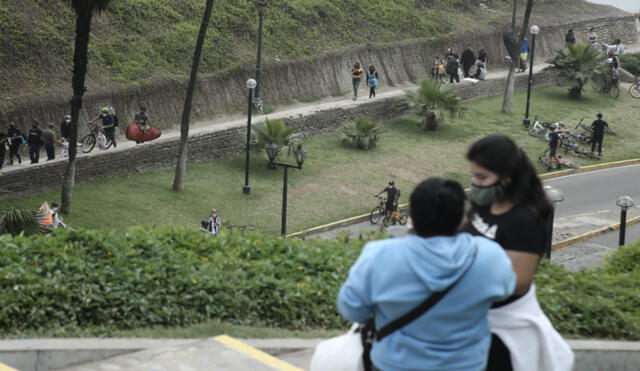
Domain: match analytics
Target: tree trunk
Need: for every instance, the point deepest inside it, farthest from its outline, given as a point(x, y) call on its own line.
point(83, 27)
point(511, 78)
point(181, 166)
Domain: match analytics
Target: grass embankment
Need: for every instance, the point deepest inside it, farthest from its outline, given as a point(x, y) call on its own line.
point(179, 282)
point(136, 41)
point(336, 181)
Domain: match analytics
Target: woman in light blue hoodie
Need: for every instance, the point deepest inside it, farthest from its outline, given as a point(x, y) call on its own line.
point(393, 276)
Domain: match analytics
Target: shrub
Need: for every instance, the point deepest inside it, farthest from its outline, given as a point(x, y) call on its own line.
point(575, 65)
point(432, 100)
point(273, 131)
point(631, 62)
point(361, 133)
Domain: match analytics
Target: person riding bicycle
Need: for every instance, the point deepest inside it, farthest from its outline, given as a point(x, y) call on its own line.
point(109, 124)
point(554, 144)
point(393, 195)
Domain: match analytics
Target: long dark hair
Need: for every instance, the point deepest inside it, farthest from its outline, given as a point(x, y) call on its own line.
point(499, 154)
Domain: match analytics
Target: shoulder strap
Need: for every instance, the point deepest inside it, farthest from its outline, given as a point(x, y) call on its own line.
point(422, 308)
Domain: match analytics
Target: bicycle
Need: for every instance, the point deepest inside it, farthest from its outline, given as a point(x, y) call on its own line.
point(378, 211)
point(607, 85)
point(569, 145)
point(89, 141)
point(634, 89)
point(541, 129)
point(399, 216)
point(562, 162)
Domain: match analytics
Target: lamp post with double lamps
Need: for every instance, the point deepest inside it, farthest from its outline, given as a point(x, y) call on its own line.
point(554, 195)
point(534, 31)
point(262, 4)
point(625, 203)
point(272, 153)
point(251, 84)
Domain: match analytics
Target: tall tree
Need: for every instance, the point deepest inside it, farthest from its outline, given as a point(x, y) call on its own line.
point(84, 14)
point(511, 78)
point(181, 166)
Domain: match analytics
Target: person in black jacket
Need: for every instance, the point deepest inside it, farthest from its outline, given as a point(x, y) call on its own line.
point(452, 69)
point(65, 127)
point(598, 134)
point(34, 141)
point(570, 38)
point(15, 140)
point(468, 59)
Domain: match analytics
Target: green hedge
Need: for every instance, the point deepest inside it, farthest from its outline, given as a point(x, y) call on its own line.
point(631, 62)
point(172, 276)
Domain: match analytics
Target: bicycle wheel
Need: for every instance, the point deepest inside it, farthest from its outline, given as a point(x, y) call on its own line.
point(385, 221)
point(614, 91)
point(538, 133)
point(634, 90)
point(403, 217)
point(109, 144)
point(87, 143)
point(375, 215)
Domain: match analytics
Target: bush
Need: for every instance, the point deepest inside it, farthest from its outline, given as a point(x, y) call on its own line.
point(361, 133)
point(631, 62)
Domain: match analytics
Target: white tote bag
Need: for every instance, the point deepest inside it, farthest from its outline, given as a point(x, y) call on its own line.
point(341, 353)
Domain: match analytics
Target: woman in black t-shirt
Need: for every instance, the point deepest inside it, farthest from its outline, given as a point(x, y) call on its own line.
point(511, 208)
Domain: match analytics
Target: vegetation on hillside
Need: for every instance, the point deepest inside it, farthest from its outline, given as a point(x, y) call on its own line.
point(168, 276)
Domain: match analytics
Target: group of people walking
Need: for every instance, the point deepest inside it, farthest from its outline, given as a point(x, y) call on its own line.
point(12, 140)
point(468, 65)
point(477, 267)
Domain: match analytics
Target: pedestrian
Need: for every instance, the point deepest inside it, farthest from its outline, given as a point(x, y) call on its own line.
point(592, 36)
point(468, 59)
point(524, 54)
point(3, 147)
point(393, 276)
point(597, 128)
point(452, 69)
point(509, 206)
point(483, 57)
point(373, 80)
point(570, 38)
point(356, 78)
point(14, 140)
point(34, 141)
point(109, 123)
point(65, 128)
point(49, 140)
point(214, 222)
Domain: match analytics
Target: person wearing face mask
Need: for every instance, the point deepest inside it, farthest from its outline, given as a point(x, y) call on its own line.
point(509, 206)
point(65, 128)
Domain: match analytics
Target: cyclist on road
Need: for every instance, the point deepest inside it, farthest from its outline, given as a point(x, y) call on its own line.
point(393, 195)
point(109, 124)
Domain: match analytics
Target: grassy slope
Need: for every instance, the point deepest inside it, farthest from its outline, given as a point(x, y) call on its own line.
point(135, 41)
point(336, 181)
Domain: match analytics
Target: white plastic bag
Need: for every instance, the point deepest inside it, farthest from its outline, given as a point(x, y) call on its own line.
point(102, 141)
point(341, 353)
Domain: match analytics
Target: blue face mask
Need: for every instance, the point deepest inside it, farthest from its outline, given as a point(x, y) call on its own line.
point(484, 196)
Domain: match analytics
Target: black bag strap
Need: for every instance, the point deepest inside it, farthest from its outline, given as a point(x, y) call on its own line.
point(422, 308)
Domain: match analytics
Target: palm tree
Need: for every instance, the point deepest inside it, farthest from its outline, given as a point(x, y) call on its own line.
point(433, 99)
point(273, 131)
point(361, 133)
point(181, 166)
point(16, 221)
point(575, 65)
point(511, 77)
point(84, 14)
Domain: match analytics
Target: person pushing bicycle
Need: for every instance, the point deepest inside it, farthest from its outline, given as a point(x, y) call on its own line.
point(554, 144)
point(109, 124)
point(393, 195)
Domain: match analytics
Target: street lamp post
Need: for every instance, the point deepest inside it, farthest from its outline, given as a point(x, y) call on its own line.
point(262, 4)
point(534, 31)
point(554, 195)
point(272, 152)
point(246, 189)
point(625, 203)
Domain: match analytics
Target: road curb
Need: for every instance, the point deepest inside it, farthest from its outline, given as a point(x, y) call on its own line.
point(585, 236)
point(556, 174)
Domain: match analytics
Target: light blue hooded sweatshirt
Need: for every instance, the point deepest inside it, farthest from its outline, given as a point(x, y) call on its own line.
point(393, 276)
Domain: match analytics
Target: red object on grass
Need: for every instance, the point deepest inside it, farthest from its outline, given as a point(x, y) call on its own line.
point(134, 133)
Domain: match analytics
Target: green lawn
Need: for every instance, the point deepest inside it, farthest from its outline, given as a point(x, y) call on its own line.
point(336, 182)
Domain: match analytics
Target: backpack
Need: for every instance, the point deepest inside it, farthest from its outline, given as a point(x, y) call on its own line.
point(373, 80)
point(115, 117)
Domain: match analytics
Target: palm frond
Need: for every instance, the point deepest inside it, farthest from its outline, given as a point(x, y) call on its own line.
point(361, 133)
point(16, 221)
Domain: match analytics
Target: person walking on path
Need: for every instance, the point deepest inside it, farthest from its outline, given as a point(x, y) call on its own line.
point(393, 276)
point(34, 141)
point(452, 69)
point(509, 206)
point(356, 78)
point(468, 59)
point(570, 38)
point(524, 54)
point(49, 140)
point(597, 128)
point(15, 140)
point(373, 79)
point(65, 127)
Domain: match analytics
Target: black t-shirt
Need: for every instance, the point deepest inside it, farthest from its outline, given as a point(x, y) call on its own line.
point(107, 120)
point(519, 229)
point(554, 138)
point(392, 193)
point(598, 128)
point(35, 137)
point(65, 129)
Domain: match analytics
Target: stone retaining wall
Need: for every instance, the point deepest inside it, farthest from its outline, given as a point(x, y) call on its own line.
point(162, 153)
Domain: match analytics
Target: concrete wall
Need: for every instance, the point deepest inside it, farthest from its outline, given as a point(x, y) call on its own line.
point(219, 143)
point(327, 75)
